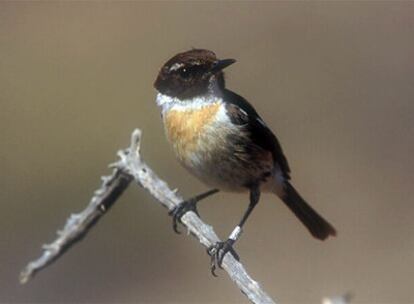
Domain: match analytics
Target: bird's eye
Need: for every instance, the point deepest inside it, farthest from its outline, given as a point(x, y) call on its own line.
point(184, 72)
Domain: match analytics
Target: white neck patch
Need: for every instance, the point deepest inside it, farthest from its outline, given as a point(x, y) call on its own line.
point(167, 102)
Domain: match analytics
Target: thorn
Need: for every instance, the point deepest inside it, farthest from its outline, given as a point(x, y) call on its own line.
point(114, 165)
point(47, 247)
point(98, 192)
point(105, 179)
point(25, 276)
point(135, 138)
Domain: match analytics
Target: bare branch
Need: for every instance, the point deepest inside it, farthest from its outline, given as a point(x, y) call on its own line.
point(132, 163)
point(131, 167)
point(78, 225)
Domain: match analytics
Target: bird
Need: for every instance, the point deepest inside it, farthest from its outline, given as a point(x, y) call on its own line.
point(219, 137)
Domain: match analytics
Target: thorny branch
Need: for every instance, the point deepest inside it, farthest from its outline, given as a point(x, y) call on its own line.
point(131, 167)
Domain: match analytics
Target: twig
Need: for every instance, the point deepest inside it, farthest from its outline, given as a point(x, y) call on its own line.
point(342, 299)
point(78, 225)
point(131, 167)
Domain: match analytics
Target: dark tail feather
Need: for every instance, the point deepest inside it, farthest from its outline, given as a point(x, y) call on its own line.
point(315, 223)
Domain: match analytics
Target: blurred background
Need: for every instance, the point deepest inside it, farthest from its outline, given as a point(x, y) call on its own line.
point(335, 81)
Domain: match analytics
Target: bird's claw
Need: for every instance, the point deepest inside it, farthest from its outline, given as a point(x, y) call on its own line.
point(217, 253)
point(180, 210)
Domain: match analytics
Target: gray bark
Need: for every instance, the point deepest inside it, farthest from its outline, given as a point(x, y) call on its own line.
point(130, 167)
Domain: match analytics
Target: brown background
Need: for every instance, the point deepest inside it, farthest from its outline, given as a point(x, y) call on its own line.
point(335, 82)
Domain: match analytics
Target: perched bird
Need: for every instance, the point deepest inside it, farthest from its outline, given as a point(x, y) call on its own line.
point(219, 137)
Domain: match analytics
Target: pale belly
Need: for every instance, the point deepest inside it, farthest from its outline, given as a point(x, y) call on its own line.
point(209, 146)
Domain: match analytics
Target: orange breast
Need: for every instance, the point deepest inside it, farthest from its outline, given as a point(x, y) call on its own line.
point(184, 127)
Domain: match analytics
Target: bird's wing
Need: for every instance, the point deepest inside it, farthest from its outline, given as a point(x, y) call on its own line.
point(243, 113)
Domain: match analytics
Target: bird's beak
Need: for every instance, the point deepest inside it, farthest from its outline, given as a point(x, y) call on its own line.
point(221, 64)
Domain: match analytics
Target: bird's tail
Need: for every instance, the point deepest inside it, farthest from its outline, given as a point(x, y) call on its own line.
point(316, 224)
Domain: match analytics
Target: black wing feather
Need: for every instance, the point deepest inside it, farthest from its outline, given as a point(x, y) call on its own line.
point(260, 134)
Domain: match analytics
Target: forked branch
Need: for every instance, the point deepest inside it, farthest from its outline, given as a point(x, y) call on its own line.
point(131, 167)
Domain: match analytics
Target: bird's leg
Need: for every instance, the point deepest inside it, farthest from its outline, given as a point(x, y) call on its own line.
point(188, 205)
point(219, 250)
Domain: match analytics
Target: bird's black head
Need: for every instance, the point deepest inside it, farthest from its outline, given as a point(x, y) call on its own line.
point(191, 73)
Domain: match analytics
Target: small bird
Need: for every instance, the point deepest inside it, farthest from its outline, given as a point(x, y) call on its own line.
point(220, 138)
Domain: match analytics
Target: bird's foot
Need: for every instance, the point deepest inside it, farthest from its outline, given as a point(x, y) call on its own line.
point(180, 210)
point(217, 253)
